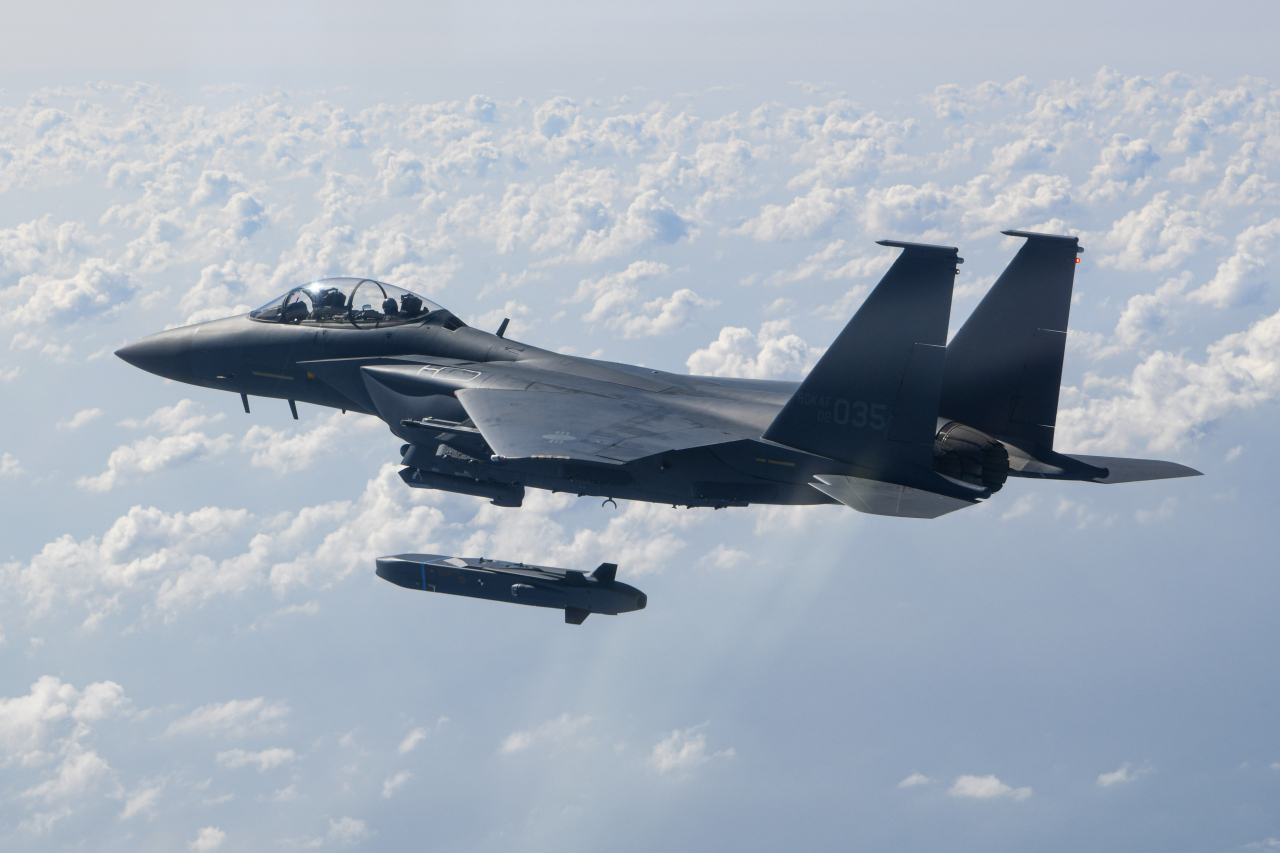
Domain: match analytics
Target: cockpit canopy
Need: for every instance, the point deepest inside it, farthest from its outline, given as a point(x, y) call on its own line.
point(346, 302)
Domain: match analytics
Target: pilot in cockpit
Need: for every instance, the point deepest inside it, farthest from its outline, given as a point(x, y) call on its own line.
point(347, 301)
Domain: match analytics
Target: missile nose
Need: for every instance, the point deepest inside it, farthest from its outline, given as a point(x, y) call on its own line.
point(166, 354)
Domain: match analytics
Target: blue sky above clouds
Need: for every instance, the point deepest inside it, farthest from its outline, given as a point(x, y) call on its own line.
point(197, 654)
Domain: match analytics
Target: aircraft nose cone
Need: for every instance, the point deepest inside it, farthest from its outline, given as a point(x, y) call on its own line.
point(166, 354)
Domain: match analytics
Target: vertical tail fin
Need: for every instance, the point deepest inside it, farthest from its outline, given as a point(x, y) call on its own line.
point(872, 399)
point(1004, 366)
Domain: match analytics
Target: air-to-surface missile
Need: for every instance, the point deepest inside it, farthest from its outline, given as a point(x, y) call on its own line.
point(576, 593)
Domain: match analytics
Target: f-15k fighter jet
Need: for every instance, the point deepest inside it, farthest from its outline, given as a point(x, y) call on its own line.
point(892, 420)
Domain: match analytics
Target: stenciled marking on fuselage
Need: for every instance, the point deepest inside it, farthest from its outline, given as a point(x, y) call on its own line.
point(841, 412)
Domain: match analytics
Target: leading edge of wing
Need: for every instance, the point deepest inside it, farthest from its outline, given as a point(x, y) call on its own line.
point(587, 427)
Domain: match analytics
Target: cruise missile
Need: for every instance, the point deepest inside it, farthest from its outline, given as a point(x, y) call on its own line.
point(576, 593)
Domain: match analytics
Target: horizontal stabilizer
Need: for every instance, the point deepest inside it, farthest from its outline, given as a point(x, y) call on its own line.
point(872, 399)
point(877, 498)
point(1121, 470)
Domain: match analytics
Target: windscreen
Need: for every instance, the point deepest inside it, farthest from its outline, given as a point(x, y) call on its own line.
point(359, 302)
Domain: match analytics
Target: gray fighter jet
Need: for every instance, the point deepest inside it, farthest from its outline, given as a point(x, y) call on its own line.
point(892, 420)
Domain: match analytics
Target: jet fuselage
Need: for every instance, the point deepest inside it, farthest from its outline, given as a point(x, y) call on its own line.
point(332, 367)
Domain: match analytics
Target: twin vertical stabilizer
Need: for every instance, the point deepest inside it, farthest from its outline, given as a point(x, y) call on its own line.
point(878, 397)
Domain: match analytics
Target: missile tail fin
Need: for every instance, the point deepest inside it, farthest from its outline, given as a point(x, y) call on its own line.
point(606, 574)
point(575, 615)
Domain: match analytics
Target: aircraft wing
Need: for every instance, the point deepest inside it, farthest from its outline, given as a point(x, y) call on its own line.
point(587, 427)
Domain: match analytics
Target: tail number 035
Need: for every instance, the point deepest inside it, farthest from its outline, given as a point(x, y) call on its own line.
point(856, 414)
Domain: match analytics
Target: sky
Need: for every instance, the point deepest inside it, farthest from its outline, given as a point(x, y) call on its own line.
point(196, 652)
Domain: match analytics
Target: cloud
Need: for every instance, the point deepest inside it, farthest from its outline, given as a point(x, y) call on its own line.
point(80, 418)
point(1023, 505)
point(643, 537)
point(986, 788)
point(394, 783)
point(680, 752)
point(209, 838)
point(97, 289)
point(27, 723)
point(183, 445)
point(772, 353)
point(80, 771)
point(284, 451)
point(807, 216)
point(183, 416)
point(903, 210)
point(1122, 776)
point(511, 310)
point(1169, 398)
point(952, 102)
point(1241, 277)
point(1026, 153)
point(1123, 162)
point(236, 718)
point(50, 726)
point(662, 316)
point(225, 290)
point(142, 801)
point(348, 831)
point(611, 293)
point(1161, 235)
point(400, 172)
point(411, 741)
point(913, 780)
point(42, 249)
point(554, 731)
point(150, 455)
point(1160, 513)
point(580, 215)
point(264, 760)
point(724, 557)
point(9, 466)
point(173, 559)
point(837, 260)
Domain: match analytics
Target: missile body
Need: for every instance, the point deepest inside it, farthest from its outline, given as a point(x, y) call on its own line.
point(576, 593)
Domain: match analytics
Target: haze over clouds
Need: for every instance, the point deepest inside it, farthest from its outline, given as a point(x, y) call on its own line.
point(198, 656)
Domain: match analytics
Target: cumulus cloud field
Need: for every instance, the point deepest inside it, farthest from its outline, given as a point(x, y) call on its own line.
point(198, 656)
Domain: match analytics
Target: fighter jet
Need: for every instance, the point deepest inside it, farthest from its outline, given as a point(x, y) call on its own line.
point(892, 420)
